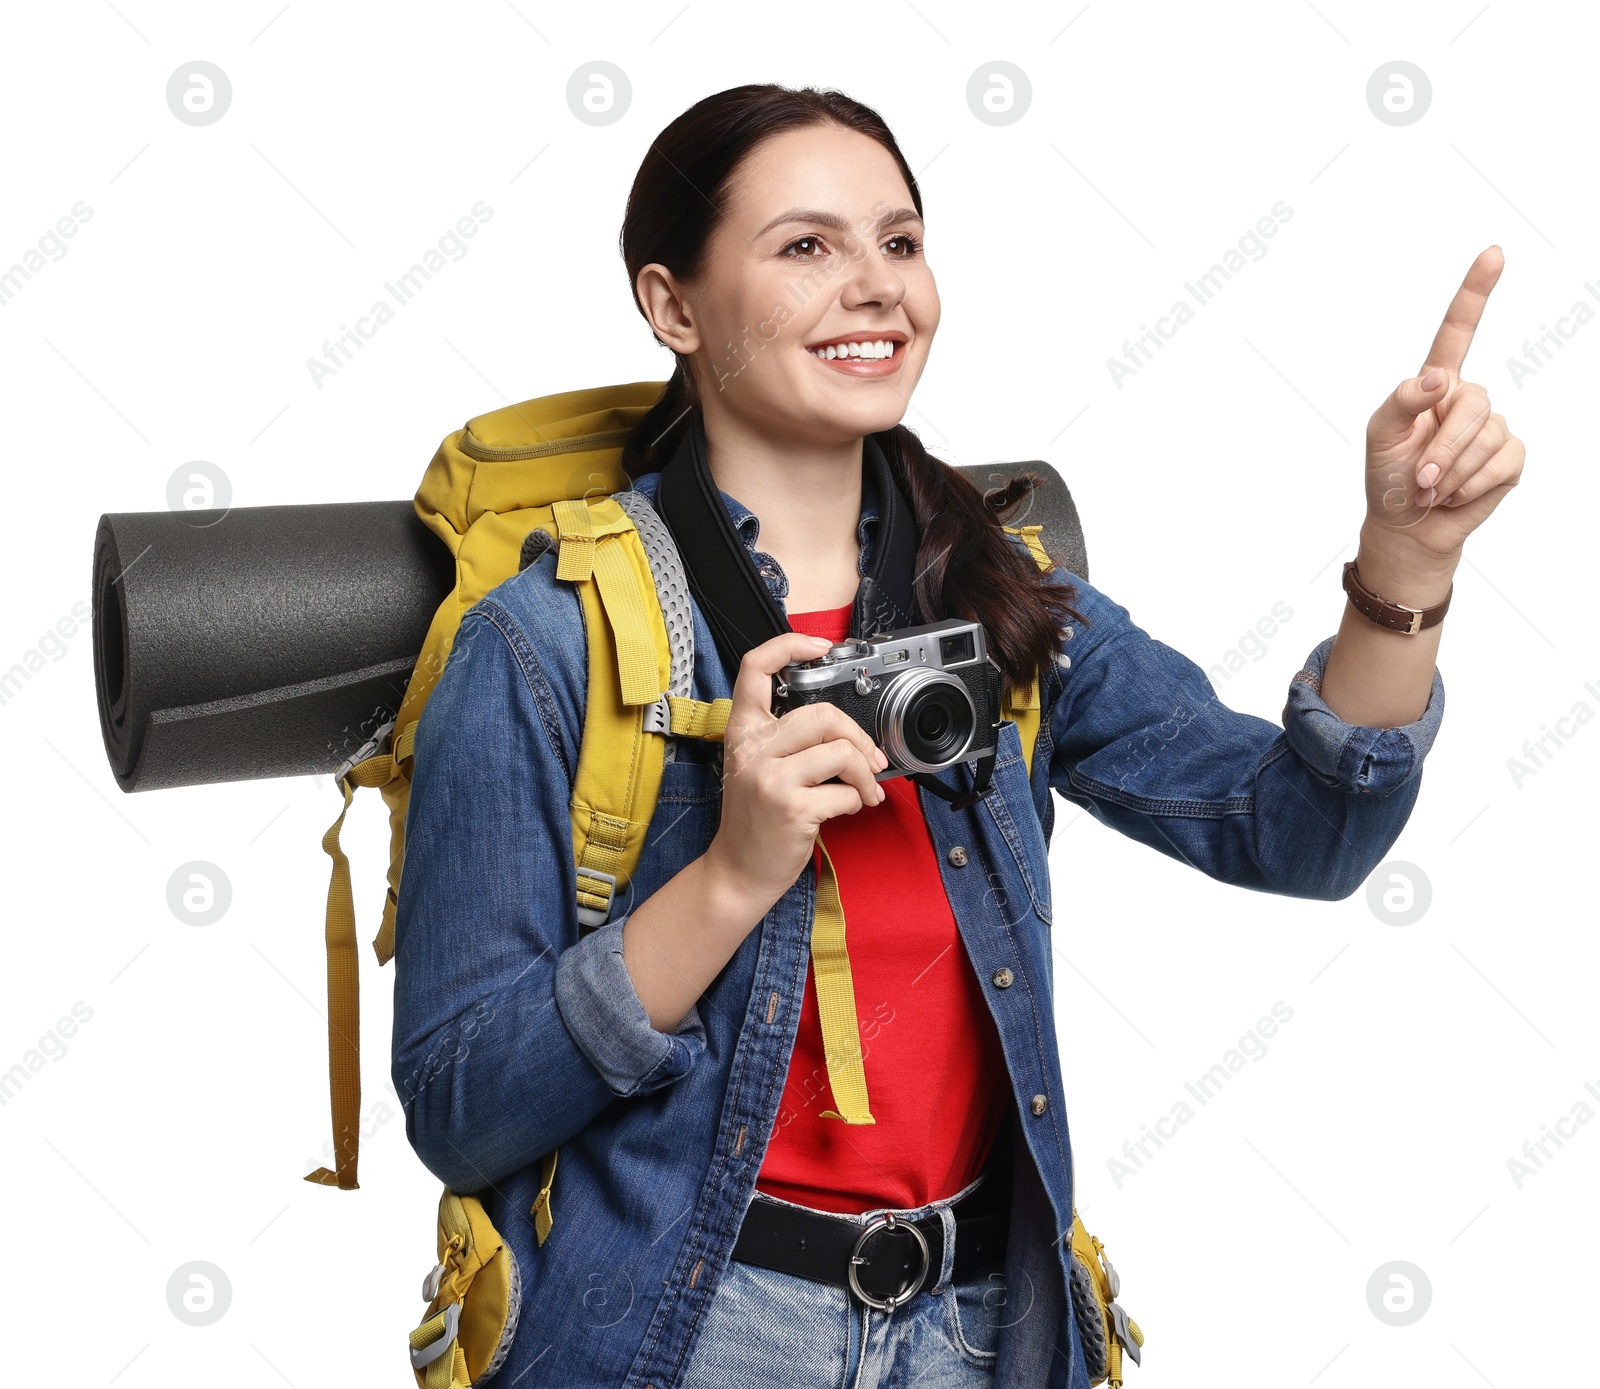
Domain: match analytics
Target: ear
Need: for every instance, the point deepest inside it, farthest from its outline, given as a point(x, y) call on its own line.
point(665, 302)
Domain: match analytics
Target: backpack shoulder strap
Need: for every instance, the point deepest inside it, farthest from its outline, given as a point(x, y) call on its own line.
point(619, 769)
point(1023, 708)
point(634, 665)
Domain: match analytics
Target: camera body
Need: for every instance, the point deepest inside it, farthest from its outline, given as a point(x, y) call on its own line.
point(929, 696)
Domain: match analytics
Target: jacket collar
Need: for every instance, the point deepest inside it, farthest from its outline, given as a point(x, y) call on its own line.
point(740, 606)
point(748, 527)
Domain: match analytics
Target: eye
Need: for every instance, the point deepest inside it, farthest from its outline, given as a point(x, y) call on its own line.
point(911, 246)
point(813, 241)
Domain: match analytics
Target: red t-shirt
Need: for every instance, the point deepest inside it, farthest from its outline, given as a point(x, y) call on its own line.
point(936, 1076)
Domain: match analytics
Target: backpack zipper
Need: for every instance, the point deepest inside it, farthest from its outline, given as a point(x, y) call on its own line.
point(579, 443)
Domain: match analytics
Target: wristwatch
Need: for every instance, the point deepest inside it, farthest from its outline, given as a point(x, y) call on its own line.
point(1395, 616)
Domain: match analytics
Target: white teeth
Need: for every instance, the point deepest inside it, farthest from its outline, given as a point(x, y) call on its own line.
point(876, 348)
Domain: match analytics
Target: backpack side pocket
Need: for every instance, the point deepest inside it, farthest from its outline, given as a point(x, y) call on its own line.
point(474, 1293)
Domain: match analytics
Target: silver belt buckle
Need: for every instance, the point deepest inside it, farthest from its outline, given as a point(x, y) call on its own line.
point(887, 1221)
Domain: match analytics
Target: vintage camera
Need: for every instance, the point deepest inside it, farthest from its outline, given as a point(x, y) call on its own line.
point(929, 696)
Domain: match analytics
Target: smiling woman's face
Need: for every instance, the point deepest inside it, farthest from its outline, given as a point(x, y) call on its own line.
point(820, 246)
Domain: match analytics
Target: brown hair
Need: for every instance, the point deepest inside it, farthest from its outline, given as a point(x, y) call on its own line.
point(967, 567)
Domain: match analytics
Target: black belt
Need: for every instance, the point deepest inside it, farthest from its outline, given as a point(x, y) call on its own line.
point(885, 1262)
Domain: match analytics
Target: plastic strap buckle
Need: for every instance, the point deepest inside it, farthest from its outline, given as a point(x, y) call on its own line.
point(658, 717)
point(596, 916)
point(370, 748)
point(426, 1355)
point(1124, 1332)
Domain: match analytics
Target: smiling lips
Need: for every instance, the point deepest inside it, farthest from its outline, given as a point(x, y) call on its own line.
point(864, 356)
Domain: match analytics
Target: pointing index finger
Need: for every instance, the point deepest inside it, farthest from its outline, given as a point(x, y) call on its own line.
point(1454, 337)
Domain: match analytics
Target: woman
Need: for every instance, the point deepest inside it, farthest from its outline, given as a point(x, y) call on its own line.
point(714, 1174)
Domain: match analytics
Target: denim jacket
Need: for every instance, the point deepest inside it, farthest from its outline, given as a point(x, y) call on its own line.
point(512, 1035)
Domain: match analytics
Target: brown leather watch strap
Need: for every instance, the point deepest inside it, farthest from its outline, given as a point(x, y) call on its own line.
point(1395, 616)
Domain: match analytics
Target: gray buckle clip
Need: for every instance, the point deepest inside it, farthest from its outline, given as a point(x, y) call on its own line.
point(596, 916)
point(434, 1349)
point(368, 749)
point(658, 717)
point(1124, 1333)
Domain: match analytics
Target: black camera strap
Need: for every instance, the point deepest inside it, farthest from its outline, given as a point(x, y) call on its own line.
point(738, 606)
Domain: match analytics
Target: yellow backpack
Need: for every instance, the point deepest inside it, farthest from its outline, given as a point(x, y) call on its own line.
point(552, 464)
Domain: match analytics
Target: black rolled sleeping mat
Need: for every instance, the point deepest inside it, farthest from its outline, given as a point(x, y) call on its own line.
point(274, 640)
point(1050, 506)
point(271, 641)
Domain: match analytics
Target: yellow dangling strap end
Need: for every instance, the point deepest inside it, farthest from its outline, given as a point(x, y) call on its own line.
point(836, 1001)
point(543, 1218)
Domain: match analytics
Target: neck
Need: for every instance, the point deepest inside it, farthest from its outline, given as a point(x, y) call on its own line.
point(808, 499)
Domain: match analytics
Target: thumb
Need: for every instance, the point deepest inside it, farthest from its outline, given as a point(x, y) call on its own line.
point(1391, 422)
point(753, 685)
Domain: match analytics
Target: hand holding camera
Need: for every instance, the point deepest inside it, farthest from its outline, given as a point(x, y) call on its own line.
point(783, 777)
point(928, 695)
point(803, 739)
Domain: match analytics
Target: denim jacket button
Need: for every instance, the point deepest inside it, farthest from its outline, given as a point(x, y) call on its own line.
point(1039, 1103)
point(1002, 978)
point(957, 856)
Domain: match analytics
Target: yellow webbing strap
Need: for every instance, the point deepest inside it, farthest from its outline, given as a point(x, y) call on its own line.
point(344, 987)
point(695, 718)
point(1030, 538)
point(1024, 710)
point(619, 768)
point(540, 1210)
point(383, 942)
point(575, 529)
point(449, 1369)
point(836, 1001)
point(615, 567)
point(639, 667)
point(1025, 714)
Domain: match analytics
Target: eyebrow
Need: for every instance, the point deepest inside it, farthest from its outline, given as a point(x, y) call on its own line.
point(834, 221)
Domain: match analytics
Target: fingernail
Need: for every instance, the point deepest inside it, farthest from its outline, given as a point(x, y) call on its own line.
point(1428, 475)
point(819, 641)
point(1432, 379)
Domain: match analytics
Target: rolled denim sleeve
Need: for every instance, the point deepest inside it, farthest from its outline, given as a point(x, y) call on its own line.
point(1353, 756)
point(510, 1033)
point(602, 1011)
point(1140, 738)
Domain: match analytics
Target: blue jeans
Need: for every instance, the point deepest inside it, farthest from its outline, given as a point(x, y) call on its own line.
point(769, 1330)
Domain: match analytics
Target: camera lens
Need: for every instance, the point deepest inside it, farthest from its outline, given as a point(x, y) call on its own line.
point(926, 720)
point(935, 727)
point(932, 721)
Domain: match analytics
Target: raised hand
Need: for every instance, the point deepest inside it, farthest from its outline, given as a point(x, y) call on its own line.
point(1439, 460)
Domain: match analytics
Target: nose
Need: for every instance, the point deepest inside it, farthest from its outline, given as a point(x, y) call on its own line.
point(872, 281)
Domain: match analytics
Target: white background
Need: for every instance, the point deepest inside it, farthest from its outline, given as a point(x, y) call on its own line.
point(1224, 477)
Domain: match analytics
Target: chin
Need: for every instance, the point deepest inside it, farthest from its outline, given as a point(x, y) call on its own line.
point(833, 420)
point(837, 427)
